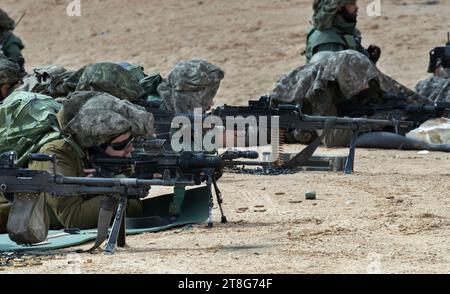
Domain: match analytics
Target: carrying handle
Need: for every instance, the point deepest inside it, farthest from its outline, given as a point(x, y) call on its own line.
point(44, 157)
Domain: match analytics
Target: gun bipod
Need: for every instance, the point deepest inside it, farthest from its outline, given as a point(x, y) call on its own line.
point(210, 183)
point(117, 236)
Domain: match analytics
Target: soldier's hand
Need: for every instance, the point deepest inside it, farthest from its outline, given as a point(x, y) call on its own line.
point(374, 53)
point(89, 172)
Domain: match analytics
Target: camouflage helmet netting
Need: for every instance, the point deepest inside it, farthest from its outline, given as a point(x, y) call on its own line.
point(102, 117)
point(191, 84)
point(349, 69)
point(325, 12)
point(110, 78)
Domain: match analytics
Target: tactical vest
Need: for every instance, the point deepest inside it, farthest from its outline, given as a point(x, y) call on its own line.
point(316, 38)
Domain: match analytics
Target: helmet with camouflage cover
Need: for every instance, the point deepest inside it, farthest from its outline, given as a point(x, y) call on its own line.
point(350, 70)
point(6, 23)
point(10, 72)
point(110, 78)
point(95, 118)
point(191, 84)
point(325, 12)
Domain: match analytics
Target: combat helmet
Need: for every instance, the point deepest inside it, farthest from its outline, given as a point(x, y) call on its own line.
point(110, 78)
point(440, 56)
point(10, 72)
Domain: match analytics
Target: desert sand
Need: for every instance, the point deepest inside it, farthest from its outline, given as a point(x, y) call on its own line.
point(390, 216)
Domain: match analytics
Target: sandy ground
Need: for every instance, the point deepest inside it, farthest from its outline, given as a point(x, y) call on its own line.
point(391, 216)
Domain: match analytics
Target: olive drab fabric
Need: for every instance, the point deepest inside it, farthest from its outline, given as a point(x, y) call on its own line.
point(90, 119)
point(191, 84)
point(95, 118)
point(28, 221)
point(78, 211)
point(27, 122)
point(110, 78)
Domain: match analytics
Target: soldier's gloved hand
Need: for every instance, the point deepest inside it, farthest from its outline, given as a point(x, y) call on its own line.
point(374, 53)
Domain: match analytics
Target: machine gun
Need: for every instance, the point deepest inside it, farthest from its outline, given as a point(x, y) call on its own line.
point(396, 107)
point(291, 118)
point(178, 170)
point(20, 181)
point(192, 167)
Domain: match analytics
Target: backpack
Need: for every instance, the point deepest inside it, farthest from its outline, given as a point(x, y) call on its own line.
point(149, 83)
point(27, 122)
point(51, 80)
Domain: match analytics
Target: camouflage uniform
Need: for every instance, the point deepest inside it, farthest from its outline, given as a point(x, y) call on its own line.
point(343, 78)
point(11, 74)
point(436, 88)
point(330, 32)
point(10, 45)
point(86, 123)
point(93, 119)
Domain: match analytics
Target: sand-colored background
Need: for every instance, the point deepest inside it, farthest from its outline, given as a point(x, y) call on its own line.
point(391, 216)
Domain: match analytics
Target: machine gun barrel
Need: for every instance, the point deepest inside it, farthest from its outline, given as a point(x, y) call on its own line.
point(349, 122)
point(124, 182)
point(183, 161)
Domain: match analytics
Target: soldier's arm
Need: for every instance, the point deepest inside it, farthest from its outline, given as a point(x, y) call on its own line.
point(75, 211)
point(67, 163)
